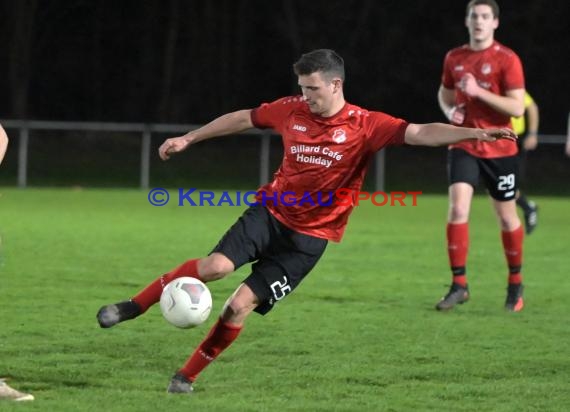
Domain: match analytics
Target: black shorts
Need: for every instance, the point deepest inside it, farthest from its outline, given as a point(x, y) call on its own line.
point(500, 174)
point(282, 256)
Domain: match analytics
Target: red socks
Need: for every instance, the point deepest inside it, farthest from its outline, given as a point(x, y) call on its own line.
point(220, 337)
point(151, 294)
point(457, 247)
point(512, 243)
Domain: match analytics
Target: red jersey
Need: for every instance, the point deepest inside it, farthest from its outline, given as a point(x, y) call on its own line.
point(321, 155)
point(497, 69)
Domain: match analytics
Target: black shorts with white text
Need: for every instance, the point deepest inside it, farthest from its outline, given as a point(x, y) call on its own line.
point(500, 175)
point(282, 256)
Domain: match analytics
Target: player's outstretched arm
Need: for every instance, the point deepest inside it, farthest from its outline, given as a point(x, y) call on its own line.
point(226, 124)
point(3, 143)
point(440, 134)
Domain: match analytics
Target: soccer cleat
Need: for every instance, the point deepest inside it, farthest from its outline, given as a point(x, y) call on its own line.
point(180, 384)
point(6, 392)
point(514, 302)
point(457, 295)
point(531, 218)
point(110, 315)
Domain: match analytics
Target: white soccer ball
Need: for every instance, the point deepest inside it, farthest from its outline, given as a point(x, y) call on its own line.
point(186, 302)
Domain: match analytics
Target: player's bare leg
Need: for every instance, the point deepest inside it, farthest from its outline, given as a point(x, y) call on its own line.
point(512, 236)
point(210, 268)
point(460, 196)
point(237, 308)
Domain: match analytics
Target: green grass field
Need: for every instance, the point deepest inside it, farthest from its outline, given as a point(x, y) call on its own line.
point(360, 334)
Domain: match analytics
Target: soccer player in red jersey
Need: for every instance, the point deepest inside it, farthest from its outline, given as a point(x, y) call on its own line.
point(482, 86)
point(328, 144)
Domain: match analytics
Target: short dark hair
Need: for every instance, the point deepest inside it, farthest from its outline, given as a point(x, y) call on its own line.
point(326, 61)
point(491, 3)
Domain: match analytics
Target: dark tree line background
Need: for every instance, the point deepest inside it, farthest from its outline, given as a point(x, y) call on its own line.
point(186, 61)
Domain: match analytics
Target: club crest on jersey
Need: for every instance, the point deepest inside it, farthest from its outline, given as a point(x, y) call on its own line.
point(486, 68)
point(339, 136)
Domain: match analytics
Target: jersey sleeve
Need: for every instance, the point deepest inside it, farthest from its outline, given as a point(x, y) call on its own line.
point(385, 130)
point(513, 73)
point(271, 115)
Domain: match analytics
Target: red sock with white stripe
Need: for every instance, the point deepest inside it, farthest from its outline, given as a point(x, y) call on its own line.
point(219, 338)
point(151, 294)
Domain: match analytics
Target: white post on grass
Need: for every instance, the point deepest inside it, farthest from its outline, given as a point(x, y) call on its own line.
point(379, 170)
point(23, 156)
point(145, 157)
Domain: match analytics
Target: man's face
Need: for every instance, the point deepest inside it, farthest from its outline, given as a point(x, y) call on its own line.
point(481, 23)
point(318, 92)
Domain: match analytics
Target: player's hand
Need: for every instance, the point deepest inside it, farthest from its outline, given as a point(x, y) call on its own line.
point(490, 135)
point(456, 114)
point(173, 145)
point(530, 142)
point(468, 85)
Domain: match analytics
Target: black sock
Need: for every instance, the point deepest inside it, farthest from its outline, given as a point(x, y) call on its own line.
point(523, 203)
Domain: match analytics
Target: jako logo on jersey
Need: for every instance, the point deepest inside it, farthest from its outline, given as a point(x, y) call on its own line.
point(299, 128)
point(486, 68)
point(458, 68)
point(339, 136)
